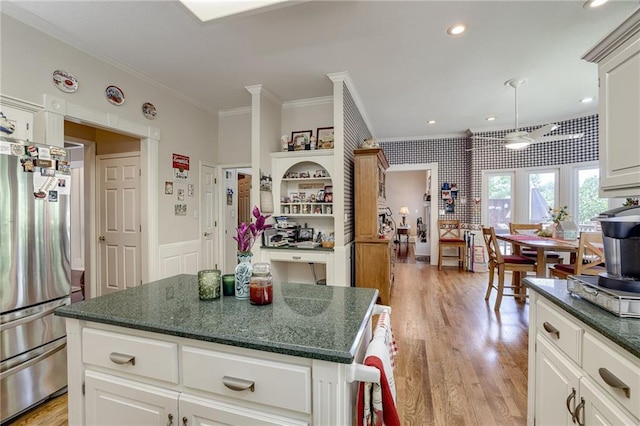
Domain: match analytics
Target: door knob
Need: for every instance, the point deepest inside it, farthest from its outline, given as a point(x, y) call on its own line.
point(206, 234)
point(102, 238)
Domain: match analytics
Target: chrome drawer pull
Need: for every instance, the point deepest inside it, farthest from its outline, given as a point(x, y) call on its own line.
point(238, 384)
point(611, 379)
point(119, 358)
point(551, 329)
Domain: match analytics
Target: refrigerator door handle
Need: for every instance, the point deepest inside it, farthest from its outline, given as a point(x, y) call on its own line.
point(32, 361)
point(23, 320)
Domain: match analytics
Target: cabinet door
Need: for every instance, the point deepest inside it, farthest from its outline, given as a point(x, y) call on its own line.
point(620, 122)
point(557, 385)
point(599, 409)
point(195, 411)
point(112, 400)
point(22, 120)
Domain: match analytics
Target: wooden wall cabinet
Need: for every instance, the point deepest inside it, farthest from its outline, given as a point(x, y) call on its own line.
point(375, 254)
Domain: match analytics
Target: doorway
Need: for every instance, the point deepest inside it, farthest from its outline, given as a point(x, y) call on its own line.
point(418, 202)
point(235, 209)
point(112, 264)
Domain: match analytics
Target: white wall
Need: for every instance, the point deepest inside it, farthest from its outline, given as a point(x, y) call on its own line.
point(308, 114)
point(234, 136)
point(28, 58)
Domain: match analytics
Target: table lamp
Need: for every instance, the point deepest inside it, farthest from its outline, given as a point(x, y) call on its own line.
point(404, 211)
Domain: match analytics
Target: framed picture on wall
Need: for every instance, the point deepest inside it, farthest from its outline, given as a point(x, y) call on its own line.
point(446, 194)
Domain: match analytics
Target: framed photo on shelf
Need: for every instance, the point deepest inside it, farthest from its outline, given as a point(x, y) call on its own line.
point(301, 139)
point(305, 234)
point(325, 137)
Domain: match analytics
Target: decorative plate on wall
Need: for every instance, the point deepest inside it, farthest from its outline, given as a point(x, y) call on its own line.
point(65, 81)
point(115, 95)
point(149, 110)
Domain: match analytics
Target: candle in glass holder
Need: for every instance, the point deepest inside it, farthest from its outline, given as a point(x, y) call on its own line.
point(209, 284)
point(261, 285)
point(228, 284)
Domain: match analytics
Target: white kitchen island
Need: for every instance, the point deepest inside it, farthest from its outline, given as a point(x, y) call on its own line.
point(157, 355)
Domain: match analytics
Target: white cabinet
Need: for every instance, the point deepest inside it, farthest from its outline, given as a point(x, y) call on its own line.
point(22, 121)
point(618, 58)
point(557, 384)
point(121, 376)
point(113, 400)
point(566, 363)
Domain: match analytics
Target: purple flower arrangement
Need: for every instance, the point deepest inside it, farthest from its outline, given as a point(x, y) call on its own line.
point(247, 235)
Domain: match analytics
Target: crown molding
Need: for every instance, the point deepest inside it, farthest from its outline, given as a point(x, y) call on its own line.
point(345, 78)
point(460, 135)
point(234, 111)
point(322, 100)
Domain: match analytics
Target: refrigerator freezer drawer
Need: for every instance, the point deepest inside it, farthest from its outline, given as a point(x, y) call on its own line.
point(18, 388)
point(21, 333)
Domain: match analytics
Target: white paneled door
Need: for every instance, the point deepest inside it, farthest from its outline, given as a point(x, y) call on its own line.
point(119, 222)
point(207, 221)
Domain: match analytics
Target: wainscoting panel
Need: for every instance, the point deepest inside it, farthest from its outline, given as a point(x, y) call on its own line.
point(179, 258)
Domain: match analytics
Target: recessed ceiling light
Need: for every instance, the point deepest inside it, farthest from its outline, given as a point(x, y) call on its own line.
point(456, 29)
point(432, 122)
point(594, 3)
point(490, 118)
point(586, 100)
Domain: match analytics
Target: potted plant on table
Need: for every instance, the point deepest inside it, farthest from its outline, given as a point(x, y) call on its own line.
point(246, 236)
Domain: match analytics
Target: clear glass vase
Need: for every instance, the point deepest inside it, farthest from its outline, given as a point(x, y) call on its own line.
point(243, 272)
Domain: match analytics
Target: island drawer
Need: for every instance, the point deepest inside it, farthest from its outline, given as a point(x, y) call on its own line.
point(144, 357)
point(618, 375)
point(276, 384)
point(561, 331)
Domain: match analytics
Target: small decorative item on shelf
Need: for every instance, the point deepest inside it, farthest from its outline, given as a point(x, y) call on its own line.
point(286, 143)
point(246, 237)
point(228, 284)
point(209, 284)
point(261, 285)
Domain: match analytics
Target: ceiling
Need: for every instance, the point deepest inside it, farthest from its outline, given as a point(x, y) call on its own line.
point(405, 68)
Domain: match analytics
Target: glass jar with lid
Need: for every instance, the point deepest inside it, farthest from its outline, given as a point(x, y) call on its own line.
point(261, 285)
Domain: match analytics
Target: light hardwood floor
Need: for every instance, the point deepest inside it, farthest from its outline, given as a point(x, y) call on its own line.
point(459, 362)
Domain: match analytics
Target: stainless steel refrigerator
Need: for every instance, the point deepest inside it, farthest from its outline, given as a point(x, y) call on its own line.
point(35, 274)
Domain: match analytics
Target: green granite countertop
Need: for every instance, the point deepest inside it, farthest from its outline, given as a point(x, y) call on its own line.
point(305, 320)
point(623, 331)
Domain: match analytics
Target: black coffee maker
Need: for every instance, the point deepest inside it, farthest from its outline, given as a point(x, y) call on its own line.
point(621, 238)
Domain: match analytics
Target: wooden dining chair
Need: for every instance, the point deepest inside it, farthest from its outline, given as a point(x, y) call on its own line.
point(450, 236)
point(532, 228)
point(590, 258)
point(517, 264)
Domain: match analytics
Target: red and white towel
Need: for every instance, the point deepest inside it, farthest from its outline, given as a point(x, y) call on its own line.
point(377, 402)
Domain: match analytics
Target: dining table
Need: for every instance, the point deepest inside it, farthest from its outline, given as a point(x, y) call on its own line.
point(541, 245)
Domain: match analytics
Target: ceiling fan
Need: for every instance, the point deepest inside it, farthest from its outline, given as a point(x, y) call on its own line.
point(520, 139)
